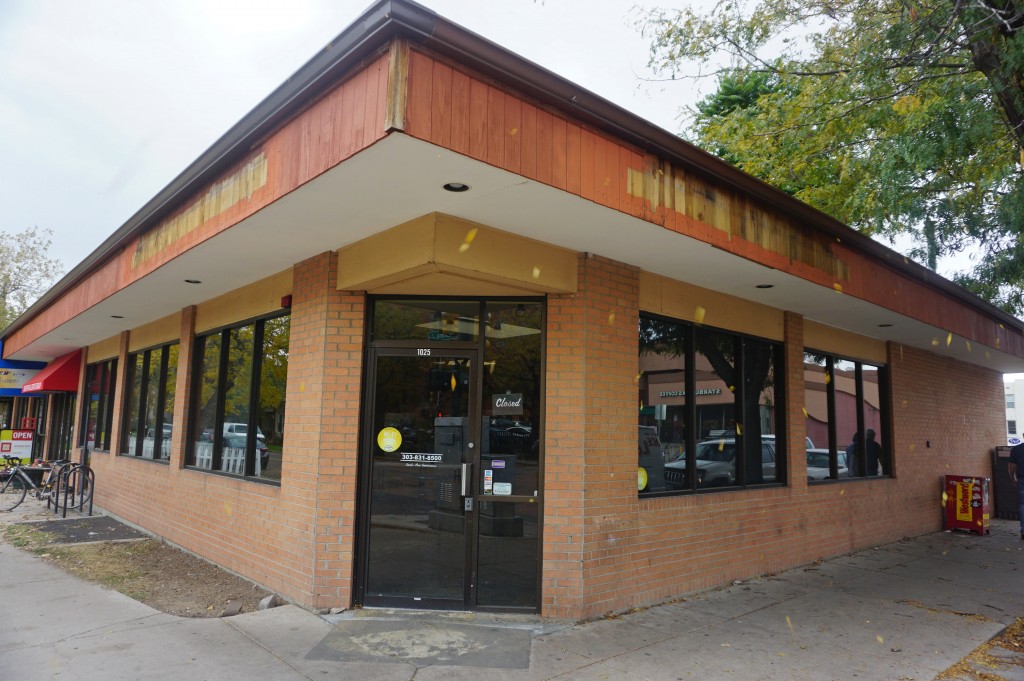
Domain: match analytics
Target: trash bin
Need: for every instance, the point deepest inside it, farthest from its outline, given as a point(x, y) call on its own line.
point(1003, 490)
point(966, 503)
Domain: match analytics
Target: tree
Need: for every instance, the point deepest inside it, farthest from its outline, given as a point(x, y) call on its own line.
point(897, 117)
point(25, 270)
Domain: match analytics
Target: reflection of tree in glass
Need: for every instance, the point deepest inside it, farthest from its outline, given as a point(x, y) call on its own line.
point(274, 375)
point(752, 379)
point(238, 383)
point(206, 406)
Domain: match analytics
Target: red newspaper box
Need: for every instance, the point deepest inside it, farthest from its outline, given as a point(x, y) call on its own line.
point(966, 502)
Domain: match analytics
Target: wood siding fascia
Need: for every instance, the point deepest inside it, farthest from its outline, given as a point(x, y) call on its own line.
point(345, 120)
point(471, 114)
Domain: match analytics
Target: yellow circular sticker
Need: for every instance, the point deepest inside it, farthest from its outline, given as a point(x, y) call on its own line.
point(389, 439)
point(641, 479)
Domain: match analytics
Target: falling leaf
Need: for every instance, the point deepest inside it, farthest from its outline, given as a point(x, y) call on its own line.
point(641, 405)
point(838, 287)
point(721, 445)
point(739, 429)
point(536, 272)
point(828, 378)
point(879, 639)
point(968, 345)
point(732, 388)
point(611, 317)
point(949, 338)
point(636, 379)
point(945, 498)
point(726, 645)
point(463, 248)
point(698, 314)
point(935, 341)
point(513, 131)
point(470, 235)
point(789, 623)
point(806, 415)
point(842, 492)
point(455, 383)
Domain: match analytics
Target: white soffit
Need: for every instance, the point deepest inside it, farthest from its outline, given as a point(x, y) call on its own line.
point(399, 179)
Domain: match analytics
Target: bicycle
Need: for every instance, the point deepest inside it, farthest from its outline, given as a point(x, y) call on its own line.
point(74, 479)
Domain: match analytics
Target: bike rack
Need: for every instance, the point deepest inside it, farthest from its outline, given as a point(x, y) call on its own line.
point(65, 481)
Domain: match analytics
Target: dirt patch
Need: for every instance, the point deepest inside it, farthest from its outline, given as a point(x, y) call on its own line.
point(148, 570)
point(1005, 652)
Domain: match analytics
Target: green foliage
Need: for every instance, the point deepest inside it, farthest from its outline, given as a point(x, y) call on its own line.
point(25, 270)
point(895, 117)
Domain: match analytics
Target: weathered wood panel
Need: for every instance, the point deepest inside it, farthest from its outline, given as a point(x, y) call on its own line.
point(347, 119)
point(511, 132)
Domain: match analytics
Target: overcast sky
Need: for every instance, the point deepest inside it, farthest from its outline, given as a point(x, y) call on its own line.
point(103, 103)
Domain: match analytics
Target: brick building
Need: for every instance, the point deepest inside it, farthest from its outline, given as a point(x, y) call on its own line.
point(395, 338)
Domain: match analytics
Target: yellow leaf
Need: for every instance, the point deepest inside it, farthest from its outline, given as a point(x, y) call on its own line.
point(949, 338)
point(838, 287)
point(536, 272)
point(698, 314)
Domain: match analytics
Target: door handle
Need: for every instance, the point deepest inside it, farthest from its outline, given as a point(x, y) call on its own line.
point(467, 468)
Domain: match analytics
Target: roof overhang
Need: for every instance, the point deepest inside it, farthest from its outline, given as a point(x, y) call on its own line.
point(399, 179)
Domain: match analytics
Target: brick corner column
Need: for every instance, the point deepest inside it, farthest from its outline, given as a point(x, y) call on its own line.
point(793, 389)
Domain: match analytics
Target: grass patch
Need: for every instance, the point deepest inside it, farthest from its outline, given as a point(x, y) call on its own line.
point(27, 538)
point(116, 566)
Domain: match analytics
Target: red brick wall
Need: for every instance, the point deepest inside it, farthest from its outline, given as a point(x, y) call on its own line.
point(295, 539)
point(329, 392)
point(626, 552)
point(590, 439)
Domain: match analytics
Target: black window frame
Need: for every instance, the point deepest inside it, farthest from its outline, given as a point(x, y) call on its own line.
point(105, 372)
point(255, 378)
point(689, 482)
point(147, 354)
point(885, 423)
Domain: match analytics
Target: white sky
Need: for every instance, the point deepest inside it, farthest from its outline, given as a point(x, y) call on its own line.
point(104, 102)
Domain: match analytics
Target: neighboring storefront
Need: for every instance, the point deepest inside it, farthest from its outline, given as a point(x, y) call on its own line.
point(35, 424)
point(432, 327)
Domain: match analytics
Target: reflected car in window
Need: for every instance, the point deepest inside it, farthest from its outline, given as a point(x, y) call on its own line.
point(716, 464)
point(818, 464)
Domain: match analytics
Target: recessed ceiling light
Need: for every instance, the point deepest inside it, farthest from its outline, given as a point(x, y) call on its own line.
point(455, 187)
point(193, 281)
point(766, 286)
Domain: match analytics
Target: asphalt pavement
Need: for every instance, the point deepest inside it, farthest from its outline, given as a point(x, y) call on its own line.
point(908, 610)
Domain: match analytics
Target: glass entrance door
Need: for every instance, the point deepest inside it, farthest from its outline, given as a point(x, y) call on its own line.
point(420, 436)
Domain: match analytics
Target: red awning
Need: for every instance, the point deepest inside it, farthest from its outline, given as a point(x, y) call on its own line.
point(59, 375)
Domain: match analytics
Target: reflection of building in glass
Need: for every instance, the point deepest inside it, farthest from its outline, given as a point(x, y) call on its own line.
point(846, 402)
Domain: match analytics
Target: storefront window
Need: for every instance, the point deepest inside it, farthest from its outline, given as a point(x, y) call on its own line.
point(239, 399)
point(99, 408)
point(707, 409)
point(844, 402)
point(150, 403)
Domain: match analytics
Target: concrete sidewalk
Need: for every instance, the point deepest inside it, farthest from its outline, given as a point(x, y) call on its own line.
point(907, 610)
